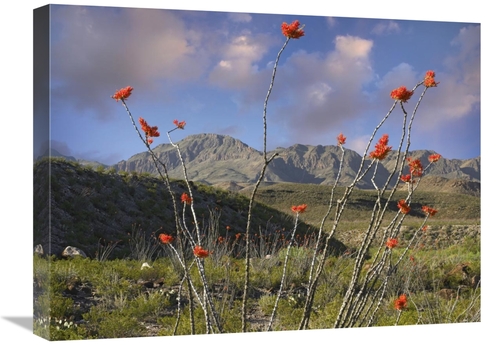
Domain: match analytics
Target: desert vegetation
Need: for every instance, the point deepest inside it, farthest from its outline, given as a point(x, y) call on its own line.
point(279, 260)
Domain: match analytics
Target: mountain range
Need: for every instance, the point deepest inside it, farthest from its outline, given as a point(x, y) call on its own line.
point(224, 161)
point(217, 159)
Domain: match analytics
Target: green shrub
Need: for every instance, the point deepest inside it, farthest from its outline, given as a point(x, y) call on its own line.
point(114, 324)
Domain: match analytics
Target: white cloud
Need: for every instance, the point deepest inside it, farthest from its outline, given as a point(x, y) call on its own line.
point(329, 89)
point(237, 66)
point(98, 50)
point(245, 48)
point(401, 75)
point(386, 27)
point(318, 93)
point(466, 63)
point(240, 17)
point(224, 64)
point(348, 66)
point(167, 51)
point(331, 22)
point(353, 47)
point(358, 144)
point(458, 93)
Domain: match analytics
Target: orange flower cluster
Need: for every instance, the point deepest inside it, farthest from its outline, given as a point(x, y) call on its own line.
point(407, 178)
point(401, 302)
point(299, 208)
point(199, 252)
point(429, 79)
point(165, 239)
point(381, 148)
point(391, 243)
point(179, 125)
point(148, 130)
point(122, 94)
point(430, 211)
point(186, 199)
point(403, 207)
point(341, 139)
point(416, 168)
point(292, 30)
point(434, 157)
point(401, 94)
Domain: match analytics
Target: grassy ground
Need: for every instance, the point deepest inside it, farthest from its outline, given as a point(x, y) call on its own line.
point(110, 299)
point(317, 197)
point(458, 215)
point(110, 296)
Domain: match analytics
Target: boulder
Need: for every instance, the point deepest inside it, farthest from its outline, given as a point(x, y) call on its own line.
point(145, 265)
point(71, 252)
point(38, 249)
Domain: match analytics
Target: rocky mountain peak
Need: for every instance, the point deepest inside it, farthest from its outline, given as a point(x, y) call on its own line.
point(214, 158)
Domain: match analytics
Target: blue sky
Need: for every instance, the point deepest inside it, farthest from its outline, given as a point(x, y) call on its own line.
point(213, 69)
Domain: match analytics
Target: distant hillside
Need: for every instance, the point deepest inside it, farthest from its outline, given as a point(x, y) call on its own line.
point(217, 159)
point(466, 169)
point(56, 154)
point(85, 207)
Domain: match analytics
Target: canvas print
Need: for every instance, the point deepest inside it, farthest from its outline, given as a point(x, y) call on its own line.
point(202, 172)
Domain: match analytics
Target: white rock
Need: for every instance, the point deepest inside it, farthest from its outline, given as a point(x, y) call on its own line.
point(71, 252)
point(145, 265)
point(39, 249)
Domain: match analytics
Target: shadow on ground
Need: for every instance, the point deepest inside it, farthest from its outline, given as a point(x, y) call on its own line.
point(25, 322)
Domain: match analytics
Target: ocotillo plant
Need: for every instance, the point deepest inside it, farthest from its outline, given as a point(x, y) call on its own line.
point(365, 292)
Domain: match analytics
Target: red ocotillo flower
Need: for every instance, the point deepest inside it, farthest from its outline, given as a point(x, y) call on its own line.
point(299, 208)
point(430, 211)
point(381, 149)
point(165, 239)
point(391, 243)
point(149, 131)
point(122, 94)
point(401, 302)
point(292, 30)
point(401, 94)
point(406, 178)
point(434, 157)
point(341, 139)
point(429, 79)
point(199, 252)
point(430, 74)
point(416, 168)
point(403, 206)
point(180, 124)
point(186, 199)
